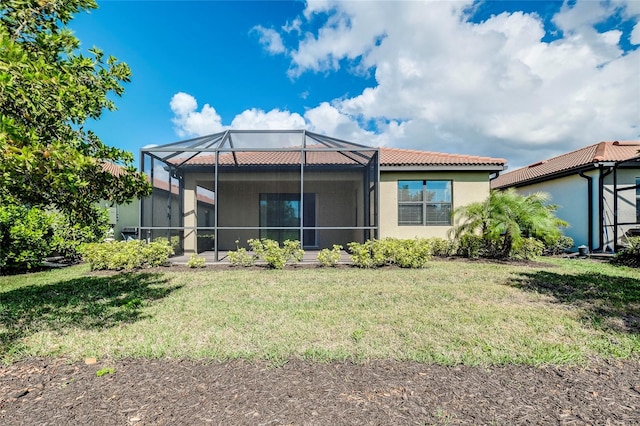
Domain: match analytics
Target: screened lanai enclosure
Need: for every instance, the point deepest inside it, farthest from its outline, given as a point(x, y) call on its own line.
point(215, 192)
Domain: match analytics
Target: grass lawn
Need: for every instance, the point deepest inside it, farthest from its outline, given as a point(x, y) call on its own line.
point(451, 312)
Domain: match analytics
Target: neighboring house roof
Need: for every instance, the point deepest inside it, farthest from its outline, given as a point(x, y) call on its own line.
point(569, 163)
point(390, 158)
point(112, 168)
point(175, 190)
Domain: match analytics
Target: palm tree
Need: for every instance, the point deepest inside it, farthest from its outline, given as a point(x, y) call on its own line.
point(505, 218)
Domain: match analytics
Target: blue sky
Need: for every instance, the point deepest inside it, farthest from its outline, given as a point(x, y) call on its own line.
point(518, 80)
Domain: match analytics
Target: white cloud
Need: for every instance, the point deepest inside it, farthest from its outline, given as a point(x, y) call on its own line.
point(182, 104)
point(294, 26)
point(443, 83)
point(493, 88)
point(256, 119)
point(189, 121)
point(635, 34)
point(270, 39)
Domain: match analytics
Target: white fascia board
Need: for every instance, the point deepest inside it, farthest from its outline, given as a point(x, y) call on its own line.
point(437, 168)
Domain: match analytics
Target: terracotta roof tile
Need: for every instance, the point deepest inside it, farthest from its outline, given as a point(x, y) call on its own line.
point(388, 157)
point(581, 158)
point(409, 157)
point(112, 168)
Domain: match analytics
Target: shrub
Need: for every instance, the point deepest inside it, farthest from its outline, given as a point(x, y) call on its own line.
point(407, 253)
point(527, 249)
point(561, 245)
point(366, 255)
point(196, 261)
point(471, 246)
point(174, 242)
point(117, 255)
point(331, 257)
point(68, 235)
point(629, 256)
point(443, 248)
point(241, 257)
point(391, 251)
point(276, 256)
point(25, 236)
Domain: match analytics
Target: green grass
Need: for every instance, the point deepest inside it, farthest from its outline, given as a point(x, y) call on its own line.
point(449, 313)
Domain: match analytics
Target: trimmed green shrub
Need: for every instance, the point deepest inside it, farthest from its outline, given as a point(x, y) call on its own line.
point(527, 249)
point(276, 256)
point(369, 254)
point(134, 254)
point(443, 248)
point(25, 236)
point(471, 246)
point(407, 253)
point(330, 257)
point(241, 257)
point(629, 256)
point(196, 261)
point(174, 242)
point(561, 245)
point(391, 251)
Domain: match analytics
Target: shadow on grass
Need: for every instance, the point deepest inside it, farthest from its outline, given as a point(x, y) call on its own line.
point(608, 302)
point(82, 303)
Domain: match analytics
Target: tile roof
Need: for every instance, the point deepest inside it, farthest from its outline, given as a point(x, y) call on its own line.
point(264, 158)
point(388, 157)
point(112, 168)
point(575, 160)
point(409, 157)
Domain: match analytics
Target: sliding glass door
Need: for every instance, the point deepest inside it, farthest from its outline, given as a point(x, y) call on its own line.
point(283, 211)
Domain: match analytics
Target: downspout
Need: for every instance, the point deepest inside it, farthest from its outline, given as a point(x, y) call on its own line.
point(603, 175)
point(590, 209)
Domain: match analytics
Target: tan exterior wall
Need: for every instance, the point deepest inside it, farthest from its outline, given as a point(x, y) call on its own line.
point(467, 187)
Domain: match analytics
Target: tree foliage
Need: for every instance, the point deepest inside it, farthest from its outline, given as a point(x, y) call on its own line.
point(48, 90)
point(505, 219)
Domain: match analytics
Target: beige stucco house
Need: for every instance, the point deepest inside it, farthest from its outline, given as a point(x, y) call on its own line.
point(596, 189)
point(212, 191)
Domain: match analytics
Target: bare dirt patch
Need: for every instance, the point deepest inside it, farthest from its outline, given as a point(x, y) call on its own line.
point(155, 392)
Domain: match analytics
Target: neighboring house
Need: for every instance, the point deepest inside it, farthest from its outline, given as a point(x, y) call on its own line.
point(596, 189)
point(350, 192)
point(122, 217)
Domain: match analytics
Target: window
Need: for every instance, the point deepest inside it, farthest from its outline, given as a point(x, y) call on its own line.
point(424, 202)
point(283, 211)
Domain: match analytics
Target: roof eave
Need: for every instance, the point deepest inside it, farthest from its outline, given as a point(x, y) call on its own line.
point(555, 175)
point(442, 167)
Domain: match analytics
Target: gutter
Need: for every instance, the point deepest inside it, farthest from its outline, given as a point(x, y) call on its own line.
point(442, 167)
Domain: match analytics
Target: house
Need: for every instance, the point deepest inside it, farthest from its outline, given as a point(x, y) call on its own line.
point(236, 185)
point(122, 217)
point(596, 189)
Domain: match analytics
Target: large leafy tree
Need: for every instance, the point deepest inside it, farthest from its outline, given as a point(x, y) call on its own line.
point(505, 218)
point(48, 90)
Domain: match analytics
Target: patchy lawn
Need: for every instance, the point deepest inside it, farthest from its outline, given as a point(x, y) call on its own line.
point(453, 312)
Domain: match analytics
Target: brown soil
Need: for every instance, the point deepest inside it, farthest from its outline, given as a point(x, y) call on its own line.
point(154, 392)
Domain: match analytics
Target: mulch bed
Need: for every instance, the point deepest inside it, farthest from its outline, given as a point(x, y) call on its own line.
point(159, 392)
